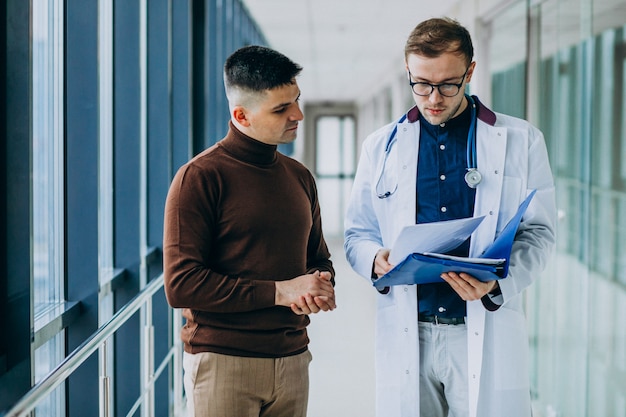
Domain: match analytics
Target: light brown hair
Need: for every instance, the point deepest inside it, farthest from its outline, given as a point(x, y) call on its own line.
point(436, 36)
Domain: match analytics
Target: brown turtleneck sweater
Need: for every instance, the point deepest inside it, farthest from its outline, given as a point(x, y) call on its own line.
point(238, 217)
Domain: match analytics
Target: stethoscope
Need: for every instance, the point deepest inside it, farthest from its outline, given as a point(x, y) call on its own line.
point(472, 177)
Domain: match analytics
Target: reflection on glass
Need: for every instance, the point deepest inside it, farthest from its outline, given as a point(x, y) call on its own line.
point(47, 180)
point(579, 360)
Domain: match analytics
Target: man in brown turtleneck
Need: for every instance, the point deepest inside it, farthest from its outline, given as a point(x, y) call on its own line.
point(244, 254)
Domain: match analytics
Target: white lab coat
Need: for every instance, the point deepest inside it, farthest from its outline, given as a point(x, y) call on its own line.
point(512, 158)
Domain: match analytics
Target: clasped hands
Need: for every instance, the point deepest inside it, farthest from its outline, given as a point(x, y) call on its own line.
point(307, 294)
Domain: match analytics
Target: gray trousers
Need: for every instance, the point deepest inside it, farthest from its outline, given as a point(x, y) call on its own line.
point(443, 370)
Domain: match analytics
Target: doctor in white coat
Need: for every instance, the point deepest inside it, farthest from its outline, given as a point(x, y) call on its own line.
point(511, 160)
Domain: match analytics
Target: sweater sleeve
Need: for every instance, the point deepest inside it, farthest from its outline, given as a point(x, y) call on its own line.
point(189, 227)
point(318, 255)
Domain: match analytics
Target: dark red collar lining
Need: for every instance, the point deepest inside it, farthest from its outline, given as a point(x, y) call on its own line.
point(482, 112)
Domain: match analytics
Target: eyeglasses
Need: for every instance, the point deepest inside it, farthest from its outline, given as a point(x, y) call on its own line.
point(446, 90)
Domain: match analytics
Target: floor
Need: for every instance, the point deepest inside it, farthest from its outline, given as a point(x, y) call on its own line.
point(342, 344)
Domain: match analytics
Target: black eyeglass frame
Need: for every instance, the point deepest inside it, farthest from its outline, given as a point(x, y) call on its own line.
point(438, 86)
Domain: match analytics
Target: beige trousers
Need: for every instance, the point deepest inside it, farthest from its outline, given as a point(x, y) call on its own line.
point(232, 386)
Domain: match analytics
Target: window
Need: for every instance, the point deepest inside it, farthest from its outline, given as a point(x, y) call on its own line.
point(334, 167)
point(507, 60)
point(47, 187)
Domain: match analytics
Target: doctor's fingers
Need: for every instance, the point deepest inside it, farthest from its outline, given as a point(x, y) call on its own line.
point(480, 288)
point(381, 267)
point(381, 263)
point(468, 287)
point(382, 255)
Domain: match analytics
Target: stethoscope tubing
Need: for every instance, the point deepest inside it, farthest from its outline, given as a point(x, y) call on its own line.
point(472, 177)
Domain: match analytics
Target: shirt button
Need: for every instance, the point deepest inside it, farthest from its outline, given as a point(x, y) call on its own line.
point(442, 125)
point(444, 209)
point(442, 309)
point(442, 177)
point(442, 147)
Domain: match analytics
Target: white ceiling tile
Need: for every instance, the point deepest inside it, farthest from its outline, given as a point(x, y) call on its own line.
point(343, 45)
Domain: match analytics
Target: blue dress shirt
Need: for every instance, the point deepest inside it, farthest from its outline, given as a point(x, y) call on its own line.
point(442, 194)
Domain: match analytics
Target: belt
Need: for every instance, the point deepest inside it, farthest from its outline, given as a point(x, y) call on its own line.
point(440, 320)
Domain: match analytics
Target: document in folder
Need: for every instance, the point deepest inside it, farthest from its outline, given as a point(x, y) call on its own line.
point(418, 251)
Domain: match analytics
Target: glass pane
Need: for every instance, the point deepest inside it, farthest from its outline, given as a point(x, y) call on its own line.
point(47, 156)
point(507, 61)
point(578, 360)
point(335, 145)
point(45, 359)
point(47, 185)
point(607, 292)
point(328, 146)
point(348, 145)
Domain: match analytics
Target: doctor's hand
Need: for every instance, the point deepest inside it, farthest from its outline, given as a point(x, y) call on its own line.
point(381, 262)
point(468, 287)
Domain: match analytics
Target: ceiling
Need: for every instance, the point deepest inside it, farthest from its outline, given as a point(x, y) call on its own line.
point(345, 46)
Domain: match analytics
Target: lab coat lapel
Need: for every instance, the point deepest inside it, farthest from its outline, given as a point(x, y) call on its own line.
point(408, 142)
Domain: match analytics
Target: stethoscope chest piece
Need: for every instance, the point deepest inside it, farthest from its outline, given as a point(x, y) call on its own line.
point(473, 177)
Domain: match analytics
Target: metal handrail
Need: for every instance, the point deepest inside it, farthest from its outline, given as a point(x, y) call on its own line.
point(58, 375)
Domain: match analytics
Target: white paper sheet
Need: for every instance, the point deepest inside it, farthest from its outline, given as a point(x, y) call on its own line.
point(436, 237)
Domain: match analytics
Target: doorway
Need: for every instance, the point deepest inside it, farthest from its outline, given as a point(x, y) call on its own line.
point(334, 163)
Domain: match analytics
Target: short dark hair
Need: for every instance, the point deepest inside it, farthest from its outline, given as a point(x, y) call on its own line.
point(436, 36)
point(258, 68)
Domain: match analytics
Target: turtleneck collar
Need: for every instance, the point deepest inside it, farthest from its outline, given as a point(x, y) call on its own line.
point(247, 149)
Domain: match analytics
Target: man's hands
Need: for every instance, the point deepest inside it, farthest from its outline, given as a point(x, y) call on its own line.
point(468, 287)
point(307, 294)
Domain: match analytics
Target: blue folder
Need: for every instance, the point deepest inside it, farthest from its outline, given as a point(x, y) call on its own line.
point(423, 268)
